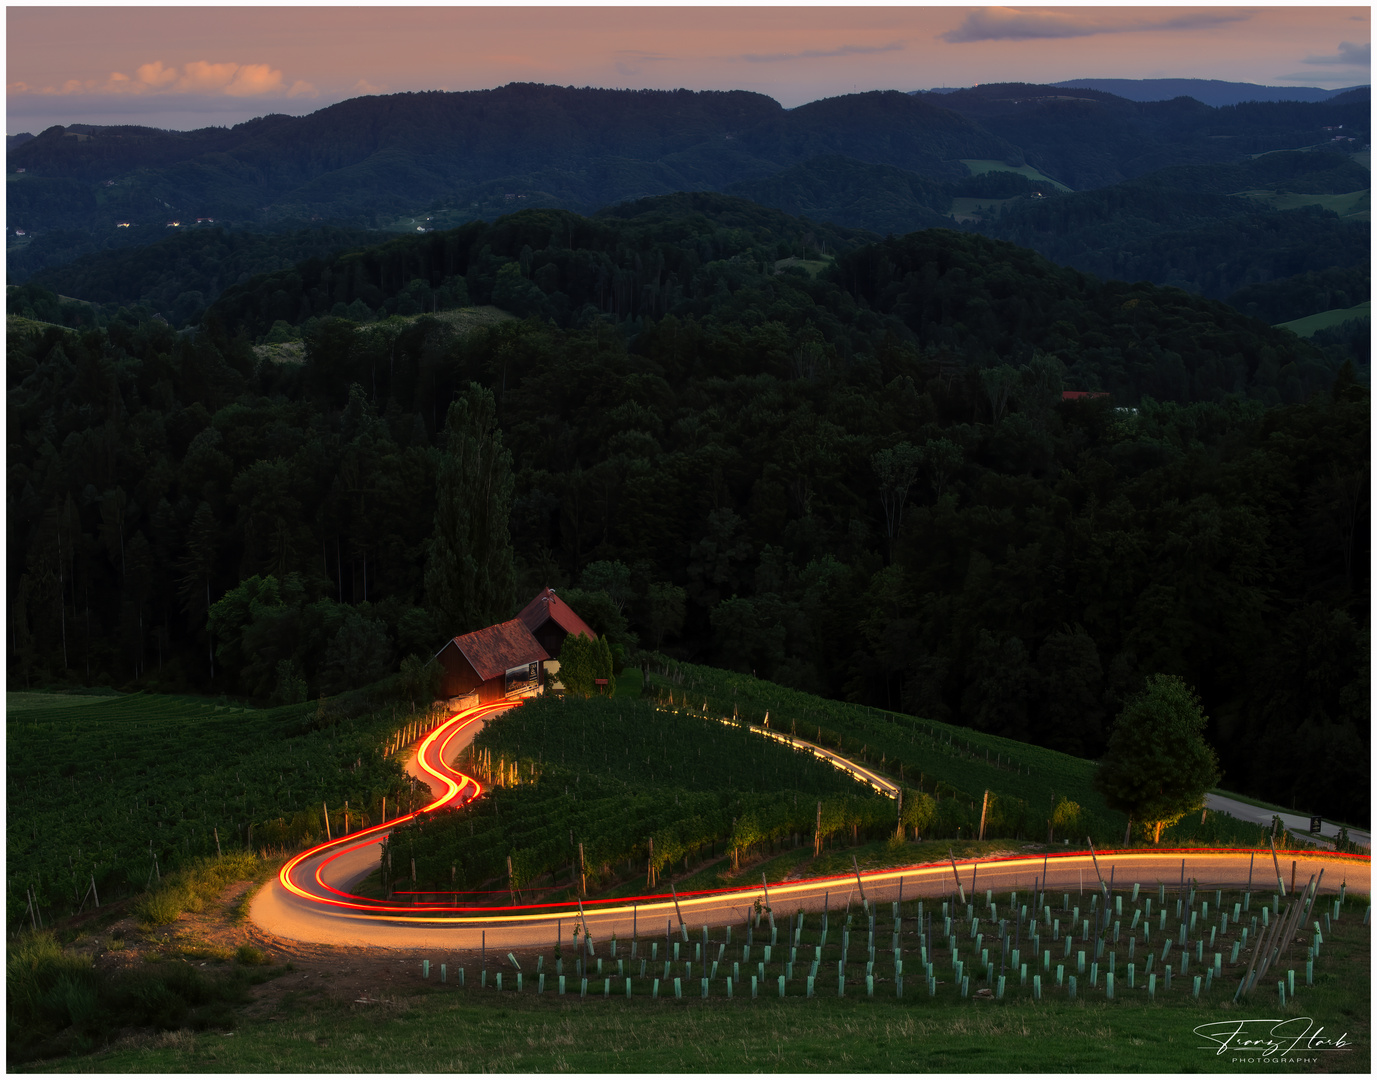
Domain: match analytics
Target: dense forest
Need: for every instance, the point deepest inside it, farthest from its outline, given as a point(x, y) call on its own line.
point(1219, 201)
point(731, 435)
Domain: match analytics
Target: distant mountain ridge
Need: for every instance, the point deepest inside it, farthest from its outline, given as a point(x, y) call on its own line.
point(1212, 92)
point(579, 148)
point(359, 160)
point(881, 161)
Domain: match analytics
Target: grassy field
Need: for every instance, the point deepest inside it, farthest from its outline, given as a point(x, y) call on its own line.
point(17, 324)
point(1354, 205)
point(813, 266)
point(1322, 320)
point(282, 352)
point(423, 1026)
point(968, 209)
point(979, 166)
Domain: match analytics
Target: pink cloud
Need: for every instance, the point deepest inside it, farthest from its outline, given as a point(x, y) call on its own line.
point(200, 75)
point(196, 77)
point(252, 80)
point(155, 74)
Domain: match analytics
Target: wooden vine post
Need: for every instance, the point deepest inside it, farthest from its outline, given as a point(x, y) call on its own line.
point(984, 806)
point(817, 833)
point(959, 887)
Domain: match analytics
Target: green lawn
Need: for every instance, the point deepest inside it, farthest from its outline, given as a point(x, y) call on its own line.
point(979, 166)
point(964, 208)
point(1323, 319)
point(813, 266)
point(1356, 205)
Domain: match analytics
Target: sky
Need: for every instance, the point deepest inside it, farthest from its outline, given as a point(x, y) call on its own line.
point(186, 67)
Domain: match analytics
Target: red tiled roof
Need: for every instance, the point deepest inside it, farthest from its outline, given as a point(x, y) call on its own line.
point(547, 605)
point(1074, 395)
point(494, 649)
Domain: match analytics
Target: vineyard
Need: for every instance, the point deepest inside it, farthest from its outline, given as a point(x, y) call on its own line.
point(107, 794)
point(1031, 788)
point(121, 790)
point(640, 788)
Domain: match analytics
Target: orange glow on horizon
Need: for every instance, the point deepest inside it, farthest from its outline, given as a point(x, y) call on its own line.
point(143, 60)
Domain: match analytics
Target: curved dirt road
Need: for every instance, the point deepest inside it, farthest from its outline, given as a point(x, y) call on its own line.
point(310, 901)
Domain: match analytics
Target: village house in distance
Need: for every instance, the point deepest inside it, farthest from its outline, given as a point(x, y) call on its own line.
point(508, 659)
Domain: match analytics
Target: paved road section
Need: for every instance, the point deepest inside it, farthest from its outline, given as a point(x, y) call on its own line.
point(1296, 823)
point(311, 900)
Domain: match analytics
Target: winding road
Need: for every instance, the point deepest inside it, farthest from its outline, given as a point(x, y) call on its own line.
point(310, 900)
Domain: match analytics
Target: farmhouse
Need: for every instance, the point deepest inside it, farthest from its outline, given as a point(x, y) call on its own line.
point(498, 661)
point(551, 620)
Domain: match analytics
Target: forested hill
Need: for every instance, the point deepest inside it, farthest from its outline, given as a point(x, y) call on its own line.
point(1210, 91)
point(854, 473)
point(548, 145)
point(449, 157)
point(1209, 229)
point(969, 301)
point(1089, 138)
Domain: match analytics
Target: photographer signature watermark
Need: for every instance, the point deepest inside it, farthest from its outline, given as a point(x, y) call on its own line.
point(1264, 1041)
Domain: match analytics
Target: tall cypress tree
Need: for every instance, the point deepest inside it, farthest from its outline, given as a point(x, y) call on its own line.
point(470, 573)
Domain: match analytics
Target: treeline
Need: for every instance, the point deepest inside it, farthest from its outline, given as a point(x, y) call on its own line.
point(1188, 227)
point(1091, 139)
point(633, 262)
point(864, 484)
point(582, 147)
point(181, 274)
point(1305, 294)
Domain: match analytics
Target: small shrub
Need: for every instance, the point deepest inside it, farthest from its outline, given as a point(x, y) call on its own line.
point(161, 907)
point(251, 956)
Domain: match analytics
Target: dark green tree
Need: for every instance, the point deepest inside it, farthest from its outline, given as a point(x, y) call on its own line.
point(602, 666)
point(664, 610)
point(1158, 765)
point(419, 680)
point(471, 573)
point(576, 665)
point(359, 654)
